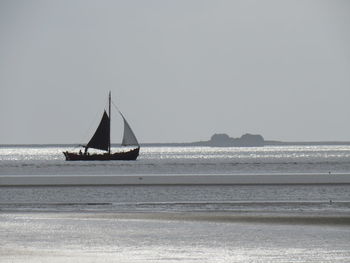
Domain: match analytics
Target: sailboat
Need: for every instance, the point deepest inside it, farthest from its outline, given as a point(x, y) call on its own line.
point(101, 140)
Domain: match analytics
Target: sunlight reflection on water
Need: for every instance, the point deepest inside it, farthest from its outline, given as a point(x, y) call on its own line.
point(78, 231)
point(239, 153)
point(109, 238)
point(180, 160)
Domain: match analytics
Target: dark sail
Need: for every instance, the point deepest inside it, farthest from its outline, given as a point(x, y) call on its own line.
point(100, 140)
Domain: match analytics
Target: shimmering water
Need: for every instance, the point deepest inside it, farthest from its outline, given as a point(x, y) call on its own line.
point(176, 198)
point(183, 160)
point(173, 223)
point(90, 237)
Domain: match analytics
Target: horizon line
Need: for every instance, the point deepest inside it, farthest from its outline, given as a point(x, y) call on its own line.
point(197, 143)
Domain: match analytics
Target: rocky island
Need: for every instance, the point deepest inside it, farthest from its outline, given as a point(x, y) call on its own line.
point(223, 140)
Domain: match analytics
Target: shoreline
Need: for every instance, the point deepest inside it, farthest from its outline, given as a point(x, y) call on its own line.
point(183, 179)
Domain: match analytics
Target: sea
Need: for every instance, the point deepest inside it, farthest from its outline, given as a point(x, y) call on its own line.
point(176, 222)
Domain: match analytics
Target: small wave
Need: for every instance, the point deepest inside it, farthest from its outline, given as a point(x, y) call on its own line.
point(295, 218)
point(266, 218)
point(52, 207)
point(183, 206)
point(55, 204)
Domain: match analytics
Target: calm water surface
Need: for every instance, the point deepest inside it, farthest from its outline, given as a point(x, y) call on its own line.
point(207, 223)
point(183, 160)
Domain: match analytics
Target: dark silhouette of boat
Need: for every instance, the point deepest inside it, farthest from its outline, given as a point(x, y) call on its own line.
point(102, 140)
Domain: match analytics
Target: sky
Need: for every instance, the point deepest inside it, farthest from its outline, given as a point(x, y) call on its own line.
point(179, 71)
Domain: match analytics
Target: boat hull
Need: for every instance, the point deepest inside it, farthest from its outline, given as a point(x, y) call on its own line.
point(121, 156)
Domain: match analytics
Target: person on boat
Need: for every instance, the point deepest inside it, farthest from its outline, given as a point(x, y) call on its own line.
point(80, 153)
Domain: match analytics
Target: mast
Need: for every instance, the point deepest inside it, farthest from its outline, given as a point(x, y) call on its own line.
point(109, 115)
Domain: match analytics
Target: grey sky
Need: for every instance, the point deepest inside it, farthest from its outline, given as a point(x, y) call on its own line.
point(178, 70)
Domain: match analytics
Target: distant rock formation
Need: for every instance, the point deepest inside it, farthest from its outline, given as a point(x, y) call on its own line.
point(250, 140)
point(246, 140)
point(221, 139)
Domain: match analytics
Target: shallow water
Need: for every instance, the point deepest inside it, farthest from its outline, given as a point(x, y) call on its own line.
point(176, 198)
point(173, 223)
point(109, 238)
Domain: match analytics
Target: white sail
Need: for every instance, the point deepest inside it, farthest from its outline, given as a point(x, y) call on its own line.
point(129, 137)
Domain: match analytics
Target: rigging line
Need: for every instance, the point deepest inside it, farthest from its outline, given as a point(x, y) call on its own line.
point(106, 106)
point(116, 107)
